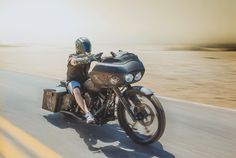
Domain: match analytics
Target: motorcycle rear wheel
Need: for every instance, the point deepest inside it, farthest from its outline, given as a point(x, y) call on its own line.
point(149, 116)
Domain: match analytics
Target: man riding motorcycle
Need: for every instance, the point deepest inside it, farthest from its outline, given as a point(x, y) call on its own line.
point(77, 73)
point(109, 93)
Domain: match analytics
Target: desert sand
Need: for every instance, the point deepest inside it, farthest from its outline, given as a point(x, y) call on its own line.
point(200, 76)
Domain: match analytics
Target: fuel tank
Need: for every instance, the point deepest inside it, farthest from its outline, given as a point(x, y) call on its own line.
point(111, 71)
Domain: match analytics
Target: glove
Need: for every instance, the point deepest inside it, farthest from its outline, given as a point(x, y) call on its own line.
point(93, 57)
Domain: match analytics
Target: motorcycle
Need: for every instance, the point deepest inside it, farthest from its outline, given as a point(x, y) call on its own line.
point(110, 95)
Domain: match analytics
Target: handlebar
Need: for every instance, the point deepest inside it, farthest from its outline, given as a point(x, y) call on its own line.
point(113, 54)
point(98, 56)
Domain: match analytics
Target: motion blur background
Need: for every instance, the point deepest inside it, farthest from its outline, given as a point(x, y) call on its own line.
point(188, 46)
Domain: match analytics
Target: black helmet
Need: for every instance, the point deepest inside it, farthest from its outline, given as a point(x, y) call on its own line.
point(82, 45)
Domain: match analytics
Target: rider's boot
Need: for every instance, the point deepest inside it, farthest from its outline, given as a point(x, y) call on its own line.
point(89, 118)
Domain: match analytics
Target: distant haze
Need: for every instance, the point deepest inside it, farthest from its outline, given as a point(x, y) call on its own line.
point(118, 21)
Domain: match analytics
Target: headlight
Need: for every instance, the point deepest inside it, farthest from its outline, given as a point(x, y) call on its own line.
point(138, 76)
point(114, 80)
point(129, 78)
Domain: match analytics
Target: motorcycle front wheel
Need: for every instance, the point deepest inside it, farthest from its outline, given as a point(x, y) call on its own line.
point(150, 121)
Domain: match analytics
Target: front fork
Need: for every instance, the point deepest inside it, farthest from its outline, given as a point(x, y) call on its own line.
point(125, 103)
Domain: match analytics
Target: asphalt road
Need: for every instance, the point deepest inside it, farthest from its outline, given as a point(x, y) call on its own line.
point(192, 131)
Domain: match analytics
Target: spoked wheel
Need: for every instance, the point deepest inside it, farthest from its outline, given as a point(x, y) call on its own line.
point(149, 124)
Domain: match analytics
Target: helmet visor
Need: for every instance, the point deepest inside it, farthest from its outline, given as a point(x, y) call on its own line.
point(87, 47)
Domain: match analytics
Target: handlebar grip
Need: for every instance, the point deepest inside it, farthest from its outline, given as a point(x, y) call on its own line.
point(113, 54)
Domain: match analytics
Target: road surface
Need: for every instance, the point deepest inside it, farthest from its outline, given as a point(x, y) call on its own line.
point(192, 131)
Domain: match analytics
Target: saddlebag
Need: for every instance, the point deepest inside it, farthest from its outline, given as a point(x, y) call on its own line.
point(54, 100)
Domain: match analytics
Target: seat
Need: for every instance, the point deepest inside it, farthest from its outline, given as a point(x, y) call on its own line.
point(63, 83)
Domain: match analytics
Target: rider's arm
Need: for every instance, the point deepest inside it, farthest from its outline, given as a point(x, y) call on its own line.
point(74, 60)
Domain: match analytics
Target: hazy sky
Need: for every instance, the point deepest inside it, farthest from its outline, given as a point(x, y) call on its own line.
point(123, 21)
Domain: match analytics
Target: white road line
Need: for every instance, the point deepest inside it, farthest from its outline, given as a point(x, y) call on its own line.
point(197, 104)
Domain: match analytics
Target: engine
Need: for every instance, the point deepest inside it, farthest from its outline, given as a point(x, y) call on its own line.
point(101, 105)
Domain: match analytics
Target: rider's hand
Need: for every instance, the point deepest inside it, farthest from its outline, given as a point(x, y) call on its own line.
point(93, 57)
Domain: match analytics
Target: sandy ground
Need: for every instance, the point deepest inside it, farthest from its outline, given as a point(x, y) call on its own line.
point(200, 76)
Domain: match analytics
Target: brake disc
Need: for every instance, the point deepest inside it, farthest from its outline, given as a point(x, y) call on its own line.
point(146, 117)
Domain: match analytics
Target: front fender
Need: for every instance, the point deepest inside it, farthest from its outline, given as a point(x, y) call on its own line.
point(138, 90)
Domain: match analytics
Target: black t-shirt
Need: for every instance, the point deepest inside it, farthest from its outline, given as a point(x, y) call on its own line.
point(78, 72)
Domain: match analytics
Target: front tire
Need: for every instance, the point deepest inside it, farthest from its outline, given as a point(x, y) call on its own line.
point(157, 112)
